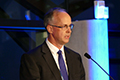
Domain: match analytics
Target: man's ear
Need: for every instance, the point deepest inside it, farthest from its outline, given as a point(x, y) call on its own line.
point(49, 29)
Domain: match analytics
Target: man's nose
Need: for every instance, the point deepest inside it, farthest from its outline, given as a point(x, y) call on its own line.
point(69, 30)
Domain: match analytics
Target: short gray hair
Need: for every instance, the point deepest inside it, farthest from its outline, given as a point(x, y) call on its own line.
point(49, 15)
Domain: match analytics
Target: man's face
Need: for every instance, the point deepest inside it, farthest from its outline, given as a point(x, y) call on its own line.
point(61, 35)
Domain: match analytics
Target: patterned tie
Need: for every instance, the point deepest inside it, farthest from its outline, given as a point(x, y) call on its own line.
point(62, 66)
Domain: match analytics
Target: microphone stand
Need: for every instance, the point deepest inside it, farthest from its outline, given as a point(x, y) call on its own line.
point(101, 68)
point(89, 57)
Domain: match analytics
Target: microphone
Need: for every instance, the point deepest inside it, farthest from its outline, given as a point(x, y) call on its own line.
point(89, 57)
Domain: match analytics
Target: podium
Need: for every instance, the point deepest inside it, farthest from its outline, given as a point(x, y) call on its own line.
point(91, 36)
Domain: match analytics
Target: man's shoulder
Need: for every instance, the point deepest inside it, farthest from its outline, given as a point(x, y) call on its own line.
point(36, 50)
point(35, 53)
point(71, 51)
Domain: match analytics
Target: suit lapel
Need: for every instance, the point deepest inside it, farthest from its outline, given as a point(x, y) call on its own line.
point(69, 62)
point(50, 61)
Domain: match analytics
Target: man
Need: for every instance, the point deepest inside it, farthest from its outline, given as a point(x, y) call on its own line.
point(52, 60)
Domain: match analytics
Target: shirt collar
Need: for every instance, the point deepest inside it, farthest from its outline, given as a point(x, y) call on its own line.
point(53, 48)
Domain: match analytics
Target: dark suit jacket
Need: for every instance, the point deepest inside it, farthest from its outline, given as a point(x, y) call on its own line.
point(39, 64)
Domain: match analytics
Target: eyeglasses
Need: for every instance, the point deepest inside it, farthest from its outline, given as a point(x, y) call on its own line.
point(64, 27)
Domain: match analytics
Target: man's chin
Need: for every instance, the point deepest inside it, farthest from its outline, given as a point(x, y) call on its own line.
point(66, 41)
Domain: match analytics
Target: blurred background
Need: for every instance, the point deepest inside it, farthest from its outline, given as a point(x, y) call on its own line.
point(22, 29)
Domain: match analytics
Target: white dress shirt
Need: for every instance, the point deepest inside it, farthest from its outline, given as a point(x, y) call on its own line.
point(54, 51)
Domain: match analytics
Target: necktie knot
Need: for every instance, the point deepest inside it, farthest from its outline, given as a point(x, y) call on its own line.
point(59, 52)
